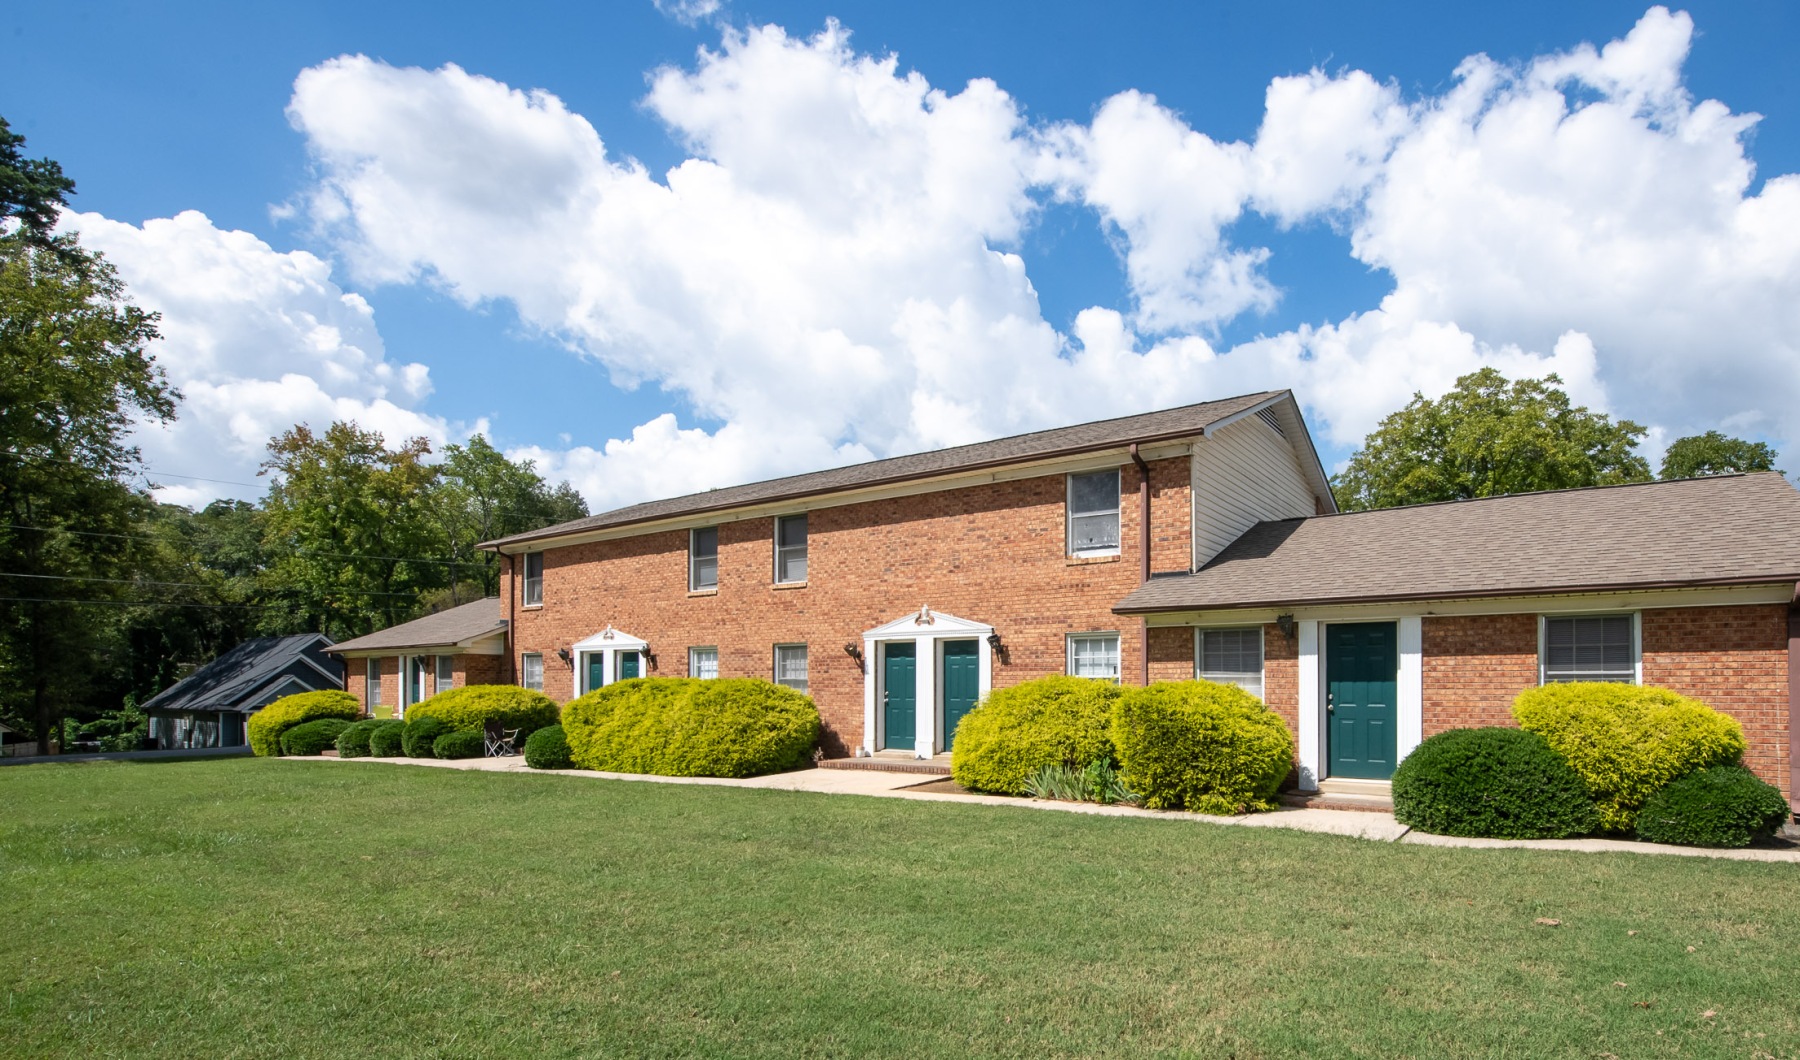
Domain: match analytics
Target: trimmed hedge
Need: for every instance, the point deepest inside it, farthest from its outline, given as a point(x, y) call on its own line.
point(266, 725)
point(471, 707)
point(1725, 806)
point(460, 743)
point(1202, 746)
point(384, 741)
point(548, 748)
point(420, 733)
point(353, 742)
point(1626, 742)
point(1017, 731)
point(312, 737)
point(687, 727)
point(1494, 783)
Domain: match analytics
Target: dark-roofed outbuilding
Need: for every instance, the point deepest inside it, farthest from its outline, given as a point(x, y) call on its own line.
point(208, 707)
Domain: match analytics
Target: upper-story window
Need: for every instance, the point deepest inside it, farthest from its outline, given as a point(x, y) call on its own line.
point(703, 559)
point(1232, 656)
point(1591, 648)
point(790, 549)
point(1093, 506)
point(531, 584)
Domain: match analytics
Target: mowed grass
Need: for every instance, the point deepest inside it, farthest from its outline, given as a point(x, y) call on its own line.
point(266, 908)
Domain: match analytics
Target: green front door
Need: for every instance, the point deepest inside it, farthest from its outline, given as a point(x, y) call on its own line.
point(596, 670)
point(899, 690)
point(1361, 666)
point(628, 664)
point(961, 684)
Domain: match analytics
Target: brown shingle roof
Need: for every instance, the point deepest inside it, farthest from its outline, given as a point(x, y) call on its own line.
point(1166, 424)
point(459, 625)
point(1733, 529)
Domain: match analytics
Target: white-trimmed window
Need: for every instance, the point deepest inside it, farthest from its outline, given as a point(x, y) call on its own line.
point(531, 671)
point(1231, 657)
point(1590, 648)
point(1094, 655)
point(790, 666)
point(531, 585)
point(703, 663)
point(373, 667)
point(703, 559)
point(790, 549)
point(446, 672)
point(1093, 506)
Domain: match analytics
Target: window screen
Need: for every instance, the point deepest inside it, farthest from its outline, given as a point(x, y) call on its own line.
point(703, 663)
point(532, 585)
point(1095, 655)
point(1094, 513)
point(790, 548)
point(703, 559)
point(446, 671)
point(531, 672)
point(1233, 656)
point(790, 666)
point(374, 683)
point(1589, 648)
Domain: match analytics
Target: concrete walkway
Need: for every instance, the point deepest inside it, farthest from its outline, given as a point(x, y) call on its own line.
point(1358, 824)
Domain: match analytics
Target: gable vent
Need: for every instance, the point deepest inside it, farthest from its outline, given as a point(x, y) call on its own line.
point(1268, 417)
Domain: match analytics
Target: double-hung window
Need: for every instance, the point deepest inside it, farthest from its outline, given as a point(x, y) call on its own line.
point(703, 559)
point(703, 663)
point(1232, 656)
point(446, 672)
point(531, 671)
point(374, 679)
point(531, 585)
point(1094, 655)
point(790, 666)
point(1093, 506)
point(790, 549)
point(1590, 648)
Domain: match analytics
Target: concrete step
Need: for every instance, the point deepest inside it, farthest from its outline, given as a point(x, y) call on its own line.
point(1322, 800)
point(931, 767)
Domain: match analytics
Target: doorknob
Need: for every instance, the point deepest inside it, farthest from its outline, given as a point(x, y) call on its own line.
point(1330, 706)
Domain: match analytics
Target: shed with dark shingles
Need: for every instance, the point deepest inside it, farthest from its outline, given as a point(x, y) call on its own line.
point(207, 708)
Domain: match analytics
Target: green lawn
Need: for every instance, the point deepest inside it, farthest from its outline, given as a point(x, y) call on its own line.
point(259, 908)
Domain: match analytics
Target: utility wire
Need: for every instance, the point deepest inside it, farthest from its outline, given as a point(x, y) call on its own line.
point(136, 603)
point(185, 585)
point(297, 551)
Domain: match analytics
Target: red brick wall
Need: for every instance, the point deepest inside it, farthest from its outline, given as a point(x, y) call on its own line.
point(1473, 668)
point(1281, 676)
point(468, 670)
point(1735, 659)
point(993, 553)
point(1172, 653)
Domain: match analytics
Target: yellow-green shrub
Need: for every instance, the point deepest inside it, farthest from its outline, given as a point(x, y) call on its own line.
point(685, 727)
point(471, 707)
point(1628, 741)
point(265, 727)
point(1202, 746)
point(1017, 731)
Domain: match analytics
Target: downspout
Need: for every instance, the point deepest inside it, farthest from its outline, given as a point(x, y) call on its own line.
point(1144, 550)
point(1793, 711)
point(512, 597)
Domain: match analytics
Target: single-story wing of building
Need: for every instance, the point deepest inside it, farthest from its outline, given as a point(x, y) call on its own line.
point(208, 707)
point(391, 669)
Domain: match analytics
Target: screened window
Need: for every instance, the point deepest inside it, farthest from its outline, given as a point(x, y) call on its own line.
point(790, 666)
point(1094, 655)
point(1234, 657)
point(1094, 513)
point(1590, 648)
point(446, 671)
point(531, 671)
point(374, 696)
point(531, 586)
point(703, 663)
point(790, 548)
point(703, 559)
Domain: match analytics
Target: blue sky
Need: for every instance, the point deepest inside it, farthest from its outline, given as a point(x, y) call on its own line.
point(1214, 273)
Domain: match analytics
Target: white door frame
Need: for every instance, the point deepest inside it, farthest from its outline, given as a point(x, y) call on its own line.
point(1409, 694)
point(608, 644)
point(927, 630)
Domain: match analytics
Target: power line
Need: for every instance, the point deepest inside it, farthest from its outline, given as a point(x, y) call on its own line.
point(296, 551)
point(135, 603)
point(185, 585)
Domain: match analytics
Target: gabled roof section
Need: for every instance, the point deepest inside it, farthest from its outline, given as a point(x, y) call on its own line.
point(1165, 425)
point(456, 627)
point(231, 681)
point(1727, 530)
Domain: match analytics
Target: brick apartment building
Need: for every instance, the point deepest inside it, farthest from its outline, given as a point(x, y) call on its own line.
point(1197, 541)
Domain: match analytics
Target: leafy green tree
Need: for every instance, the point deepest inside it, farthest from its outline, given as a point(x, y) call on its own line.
point(32, 191)
point(1713, 453)
point(1485, 438)
point(481, 495)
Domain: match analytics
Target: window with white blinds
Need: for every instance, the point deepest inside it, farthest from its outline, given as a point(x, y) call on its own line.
point(1232, 656)
point(1094, 655)
point(1590, 648)
point(374, 678)
point(531, 671)
point(446, 671)
point(790, 666)
point(1093, 505)
point(703, 663)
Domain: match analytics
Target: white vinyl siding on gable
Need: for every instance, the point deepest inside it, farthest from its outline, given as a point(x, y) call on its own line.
point(1093, 514)
point(1231, 656)
point(1590, 648)
point(1242, 475)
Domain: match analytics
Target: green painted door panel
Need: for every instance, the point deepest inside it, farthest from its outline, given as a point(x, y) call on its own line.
point(961, 684)
point(628, 665)
point(596, 670)
point(1361, 681)
point(899, 686)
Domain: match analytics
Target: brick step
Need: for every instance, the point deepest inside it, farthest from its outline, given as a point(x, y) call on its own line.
point(930, 768)
point(1324, 801)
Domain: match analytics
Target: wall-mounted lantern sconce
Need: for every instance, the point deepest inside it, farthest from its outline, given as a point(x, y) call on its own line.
point(1285, 623)
point(999, 648)
point(649, 657)
point(853, 650)
point(563, 654)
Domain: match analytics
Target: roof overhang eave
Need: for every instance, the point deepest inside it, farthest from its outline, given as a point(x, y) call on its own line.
point(1792, 579)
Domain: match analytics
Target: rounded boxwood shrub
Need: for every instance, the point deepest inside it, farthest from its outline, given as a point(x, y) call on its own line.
point(687, 727)
point(312, 737)
point(265, 727)
point(1493, 783)
point(1202, 746)
point(1627, 742)
point(1017, 731)
point(471, 707)
point(420, 733)
point(384, 741)
point(460, 743)
point(548, 748)
point(1725, 806)
point(353, 742)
